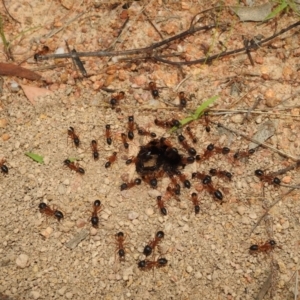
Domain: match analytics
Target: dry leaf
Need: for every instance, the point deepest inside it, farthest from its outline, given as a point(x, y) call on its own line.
point(254, 13)
point(32, 92)
point(14, 70)
point(265, 131)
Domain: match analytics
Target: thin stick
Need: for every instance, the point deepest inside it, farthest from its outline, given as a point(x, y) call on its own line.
point(256, 141)
point(3, 2)
point(251, 109)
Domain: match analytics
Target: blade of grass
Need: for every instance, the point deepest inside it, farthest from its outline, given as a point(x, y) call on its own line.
point(281, 7)
point(197, 114)
point(35, 157)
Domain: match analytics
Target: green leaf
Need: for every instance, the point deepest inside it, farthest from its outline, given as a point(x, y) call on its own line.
point(200, 110)
point(197, 114)
point(283, 5)
point(35, 157)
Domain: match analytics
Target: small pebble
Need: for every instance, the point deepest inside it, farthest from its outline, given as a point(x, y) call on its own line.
point(22, 261)
point(237, 119)
point(47, 232)
point(286, 225)
point(35, 294)
point(62, 291)
point(5, 137)
point(93, 231)
point(133, 215)
point(3, 123)
point(241, 210)
point(189, 269)
point(69, 295)
point(149, 211)
point(253, 215)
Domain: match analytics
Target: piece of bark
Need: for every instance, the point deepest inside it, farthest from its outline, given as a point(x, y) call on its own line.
point(73, 243)
point(14, 70)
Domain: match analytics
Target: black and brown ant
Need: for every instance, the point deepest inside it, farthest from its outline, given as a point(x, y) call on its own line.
point(45, 209)
point(161, 206)
point(96, 209)
point(44, 51)
point(191, 134)
point(148, 264)
point(111, 159)
point(266, 247)
point(153, 89)
point(186, 146)
point(120, 239)
point(243, 154)
point(115, 100)
point(108, 134)
point(182, 178)
point(124, 140)
point(267, 177)
point(73, 166)
point(151, 180)
point(95, 151)
point(206, 120)
point(131, 126)
point(211, 149)
point(207, 184)
point(3, 167)
point(142, 131)
point(150, 247)
point(129, 185)
point(195, 201)
point(182, 100)
point(220, 174)
point(167, 124)
point(72, 135)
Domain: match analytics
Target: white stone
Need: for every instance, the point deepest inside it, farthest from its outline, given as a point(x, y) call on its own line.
point(22, 261)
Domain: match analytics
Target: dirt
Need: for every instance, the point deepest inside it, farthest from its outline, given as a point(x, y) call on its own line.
point(208, 253)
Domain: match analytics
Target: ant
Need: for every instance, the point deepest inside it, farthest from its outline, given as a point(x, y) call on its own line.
point(96, 209)
point(266, 247)
point(191, 134)
point(45, 209)
point(120, 238)
point(195, 202)
point(207, 183)
point(111, 159)
point(150, 180)
point(148, 264)
point(151, 246)
point(44, 51)
point(131, 160)
point(211, 147)
point(124, 140)
point(182, 178)
point(182, 100)
point(130, 127)
point(187, 160)
point(73, 166)
point(142, 131)
point(74, 137)
point(161, 206)
point(267, 177)
point(114, 101)
point(167, 124)
point(108, 134)
point(94, 146)
point(243, 154)
point(186, 146)
point(129, 185)
point(206, 120)
point(220, 174)
point(3, 167)
point(153, 89)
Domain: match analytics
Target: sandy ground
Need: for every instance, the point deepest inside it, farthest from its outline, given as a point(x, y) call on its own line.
point(208, 253)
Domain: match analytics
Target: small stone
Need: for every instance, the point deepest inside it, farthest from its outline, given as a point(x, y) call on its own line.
point(62, 291)
point(66, 182)
point(80, 223)
point(47, 232)
point(5, 137)
point(149, 211)
point(69, 295)
point(93, 231)
point(35, 294)
point(253, 215)
point(198, 275)
point(189, 269)
point(237, 119)
point(186, 228)
point(245, 220)
point(286, 225)
point(133, 215)
point(22, 261)
point(3, 123)
point(286, 179)
point(241, 210)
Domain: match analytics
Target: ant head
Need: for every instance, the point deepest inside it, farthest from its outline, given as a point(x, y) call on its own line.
point(120, 234)
point(42, 205)
point(160, 234)
point(97, 203)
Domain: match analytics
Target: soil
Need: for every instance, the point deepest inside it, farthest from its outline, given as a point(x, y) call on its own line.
point(208, 253)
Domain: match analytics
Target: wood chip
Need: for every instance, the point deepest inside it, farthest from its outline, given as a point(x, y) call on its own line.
point(14, 70)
